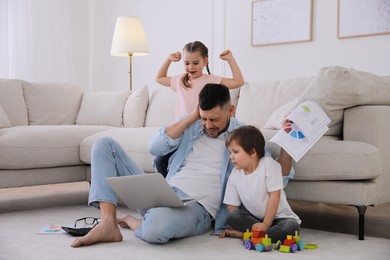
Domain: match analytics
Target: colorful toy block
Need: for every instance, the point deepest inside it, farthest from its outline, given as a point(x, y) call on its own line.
point(260, 242)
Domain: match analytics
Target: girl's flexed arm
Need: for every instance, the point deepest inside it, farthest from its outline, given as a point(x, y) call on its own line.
point(237, 80)
point(162, 77)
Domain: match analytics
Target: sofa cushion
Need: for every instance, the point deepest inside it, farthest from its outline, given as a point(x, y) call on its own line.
point(278, 116)
point(161, 110)
point(102, 108)
point(258, 100)
point(333, 159)
point(52, 103)
point(12, 101)
point(29, 147)
point(234, 93)
point(4, 120)
point(133, 140)
point(135, 108)
point(338, 88)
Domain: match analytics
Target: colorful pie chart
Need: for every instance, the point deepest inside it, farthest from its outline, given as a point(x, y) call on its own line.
point(293, 131)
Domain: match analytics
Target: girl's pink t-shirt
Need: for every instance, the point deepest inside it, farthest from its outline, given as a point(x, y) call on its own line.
point(186, 97)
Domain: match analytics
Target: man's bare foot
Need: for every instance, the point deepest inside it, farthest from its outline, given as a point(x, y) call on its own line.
point(103, 232)
point(231, 233)
point(128, 221)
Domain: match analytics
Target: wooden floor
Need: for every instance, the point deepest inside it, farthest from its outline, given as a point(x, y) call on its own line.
point(343, 219)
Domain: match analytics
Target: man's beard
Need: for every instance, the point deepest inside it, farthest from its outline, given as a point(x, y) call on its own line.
point(219, 132)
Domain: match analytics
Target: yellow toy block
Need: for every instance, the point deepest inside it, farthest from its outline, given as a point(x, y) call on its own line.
point(247, 235)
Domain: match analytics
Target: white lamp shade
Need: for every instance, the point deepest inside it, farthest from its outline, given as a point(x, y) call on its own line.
point(129, 38)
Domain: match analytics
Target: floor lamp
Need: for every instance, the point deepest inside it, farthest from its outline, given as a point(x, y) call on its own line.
point(129, 40)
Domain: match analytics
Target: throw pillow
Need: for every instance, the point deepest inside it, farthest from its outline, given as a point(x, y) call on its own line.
point(52, 103)
point(135, 108)
point(277, 117)
point(337, 88)
point(102, 108)
point(4, 120)
point(12, 101)
point(161, 110)
point(258, 100)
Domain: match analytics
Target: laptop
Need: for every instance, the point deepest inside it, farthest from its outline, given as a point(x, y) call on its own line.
point(149, 190)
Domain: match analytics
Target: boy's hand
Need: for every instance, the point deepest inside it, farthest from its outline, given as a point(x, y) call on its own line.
point(226, 55)
point(175, 57)
point(260, 226)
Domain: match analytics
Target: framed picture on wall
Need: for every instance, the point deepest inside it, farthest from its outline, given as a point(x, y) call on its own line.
point(358, 18)
point(281, 21)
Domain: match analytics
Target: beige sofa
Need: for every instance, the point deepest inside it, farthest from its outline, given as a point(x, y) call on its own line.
point(41, 128)
point(350, 165)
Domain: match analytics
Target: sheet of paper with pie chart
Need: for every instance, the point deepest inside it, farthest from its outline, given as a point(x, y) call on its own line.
point(307, 123)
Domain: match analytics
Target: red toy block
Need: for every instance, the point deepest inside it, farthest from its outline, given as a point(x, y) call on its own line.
point(258, 233)
point(289, 241)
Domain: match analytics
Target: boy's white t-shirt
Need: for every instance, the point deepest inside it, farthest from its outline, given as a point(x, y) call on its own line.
point(186, 97)
point(252, 190)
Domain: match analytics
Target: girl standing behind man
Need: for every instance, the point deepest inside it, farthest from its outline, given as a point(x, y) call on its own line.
point(188, 85)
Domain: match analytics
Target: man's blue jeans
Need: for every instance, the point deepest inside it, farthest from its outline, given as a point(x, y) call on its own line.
point(159, 225)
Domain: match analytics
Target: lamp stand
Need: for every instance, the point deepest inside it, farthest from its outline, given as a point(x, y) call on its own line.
point(131, 72)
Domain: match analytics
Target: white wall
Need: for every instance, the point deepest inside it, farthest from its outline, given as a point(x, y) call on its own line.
point(45, 40)
point(168, 25)
point(221, 24)
point(293, 60)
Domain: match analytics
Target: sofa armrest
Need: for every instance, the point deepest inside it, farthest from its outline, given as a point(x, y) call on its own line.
point(370, 124)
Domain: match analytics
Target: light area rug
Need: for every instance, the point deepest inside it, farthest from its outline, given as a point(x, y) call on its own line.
point(19, 240)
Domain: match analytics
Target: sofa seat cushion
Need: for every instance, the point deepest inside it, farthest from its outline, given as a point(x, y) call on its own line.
point(26, 147)
point(133, 140)
point(333, 159)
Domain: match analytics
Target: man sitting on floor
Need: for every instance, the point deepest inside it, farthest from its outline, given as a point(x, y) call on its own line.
point(200, 166)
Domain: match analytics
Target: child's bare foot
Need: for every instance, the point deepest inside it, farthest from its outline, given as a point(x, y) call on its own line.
point(103, 232)
point(231, 233)
point(121, 221)
point(128, 221)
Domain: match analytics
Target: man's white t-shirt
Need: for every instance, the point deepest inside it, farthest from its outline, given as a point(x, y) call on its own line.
point(201, 172)
point(252, 190)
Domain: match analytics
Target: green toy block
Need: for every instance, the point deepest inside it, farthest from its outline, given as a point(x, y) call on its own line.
point(284, 249)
